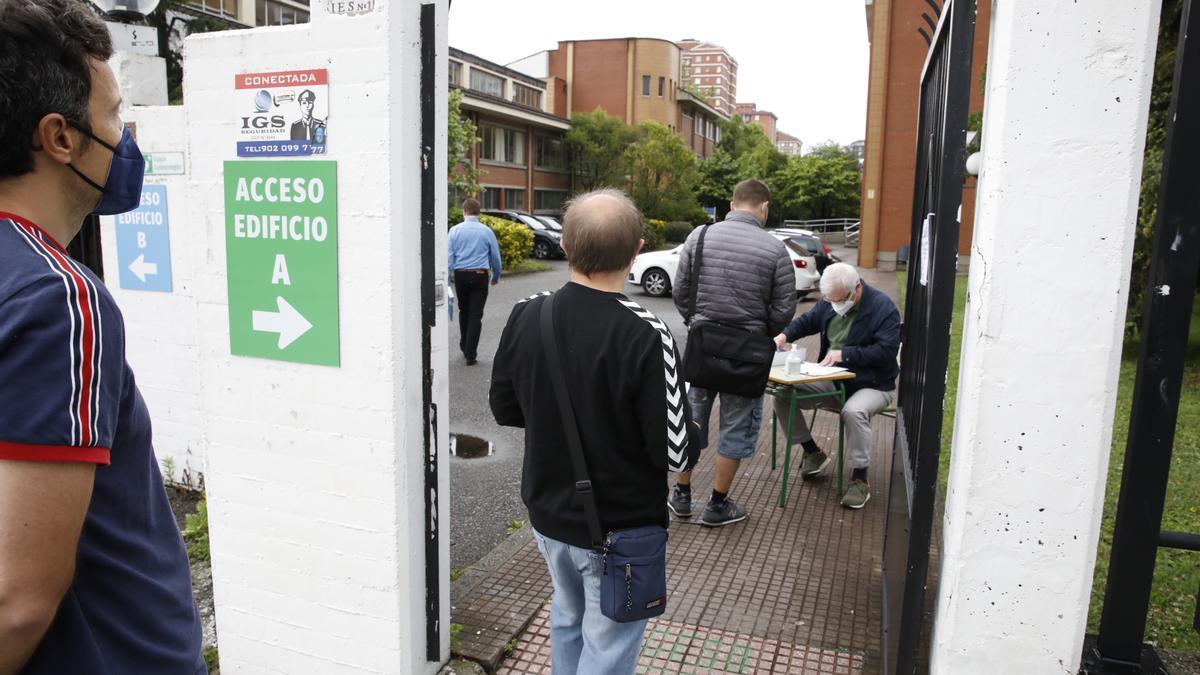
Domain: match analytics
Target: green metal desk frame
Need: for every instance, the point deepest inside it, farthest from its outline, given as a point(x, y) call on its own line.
point(794, 396)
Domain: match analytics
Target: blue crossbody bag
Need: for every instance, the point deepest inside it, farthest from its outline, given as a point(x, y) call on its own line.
point(633, 582)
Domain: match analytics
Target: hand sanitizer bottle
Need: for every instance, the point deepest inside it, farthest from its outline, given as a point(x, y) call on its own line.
point(795, 361)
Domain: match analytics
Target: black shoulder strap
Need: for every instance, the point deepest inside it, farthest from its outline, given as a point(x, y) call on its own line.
point(583, 485)
point(693, 268)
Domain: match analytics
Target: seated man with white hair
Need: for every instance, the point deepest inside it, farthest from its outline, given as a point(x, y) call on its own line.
point(860, 330)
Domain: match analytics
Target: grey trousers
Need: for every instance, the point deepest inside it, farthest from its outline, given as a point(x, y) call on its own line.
point(856, 414)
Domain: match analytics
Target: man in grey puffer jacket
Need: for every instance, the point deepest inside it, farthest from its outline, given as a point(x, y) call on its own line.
point(746, 279)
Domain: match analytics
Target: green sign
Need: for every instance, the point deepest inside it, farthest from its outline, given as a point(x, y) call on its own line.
point(281, 257)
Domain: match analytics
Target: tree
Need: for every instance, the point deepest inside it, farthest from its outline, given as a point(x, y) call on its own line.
point(744, 152)
point(825, 183)
point(175, 20)
point(1152, 162)
point(662, 173)
point(716, 178)
point(596, 143)
point(461, 137)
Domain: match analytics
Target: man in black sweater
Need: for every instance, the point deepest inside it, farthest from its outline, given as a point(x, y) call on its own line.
point(620, 363)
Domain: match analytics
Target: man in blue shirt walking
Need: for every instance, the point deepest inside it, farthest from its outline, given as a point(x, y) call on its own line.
point(473, 251)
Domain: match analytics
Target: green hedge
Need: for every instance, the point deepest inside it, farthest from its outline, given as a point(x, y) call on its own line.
point(677, 232)
point(515, 239)
point(652, 233)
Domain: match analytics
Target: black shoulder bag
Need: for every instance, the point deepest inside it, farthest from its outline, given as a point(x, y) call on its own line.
point(722, 357)
point(633, 585)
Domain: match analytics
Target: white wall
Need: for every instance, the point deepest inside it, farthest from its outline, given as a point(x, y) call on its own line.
point(314, 474)
point(1065, 119)
point(161, 328)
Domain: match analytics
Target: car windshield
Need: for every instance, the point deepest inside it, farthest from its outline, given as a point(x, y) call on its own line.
point(796, 248)
point(551, 223)
point(531, 221)
point(809, 243)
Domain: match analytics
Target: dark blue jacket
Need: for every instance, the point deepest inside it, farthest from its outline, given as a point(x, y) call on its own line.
point(872, 345)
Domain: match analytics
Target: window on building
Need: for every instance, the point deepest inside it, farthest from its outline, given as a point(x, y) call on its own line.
point(267, 12)
point(220, 7)
point(514, 198)
point(662, 85)
point(527, 96)
point(501, 144)
point(645, 85)
point(490, 199)
point(548, 200)
point(549, 153)
point(455, 72)
point(486, 83)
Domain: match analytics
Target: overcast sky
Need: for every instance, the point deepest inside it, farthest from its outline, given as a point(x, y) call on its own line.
point(804, 60)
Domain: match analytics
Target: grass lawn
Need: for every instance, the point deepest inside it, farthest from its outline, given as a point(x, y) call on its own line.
point(526, 266)
point(1176, 573)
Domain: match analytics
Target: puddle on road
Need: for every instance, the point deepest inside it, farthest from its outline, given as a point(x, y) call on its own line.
point(465, 446)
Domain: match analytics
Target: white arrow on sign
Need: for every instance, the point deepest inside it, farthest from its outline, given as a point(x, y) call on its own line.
point(141, 268)
point(289, 323)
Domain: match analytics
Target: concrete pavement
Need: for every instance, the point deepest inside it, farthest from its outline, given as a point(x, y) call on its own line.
point(485, 493)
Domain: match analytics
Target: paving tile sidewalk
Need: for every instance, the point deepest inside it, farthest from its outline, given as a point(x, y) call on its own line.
point(791, 590)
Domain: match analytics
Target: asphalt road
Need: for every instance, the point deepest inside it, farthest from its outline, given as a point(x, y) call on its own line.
point(486, 492)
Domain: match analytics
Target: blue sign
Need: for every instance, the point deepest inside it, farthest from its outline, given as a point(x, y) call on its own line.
point(144, 245)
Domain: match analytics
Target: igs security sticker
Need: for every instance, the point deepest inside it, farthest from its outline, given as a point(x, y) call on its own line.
point(283, 113)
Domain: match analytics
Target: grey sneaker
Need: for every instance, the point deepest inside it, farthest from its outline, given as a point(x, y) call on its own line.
point(813, 463)
point(857, 495)
point(680, 503)
point(725, 514)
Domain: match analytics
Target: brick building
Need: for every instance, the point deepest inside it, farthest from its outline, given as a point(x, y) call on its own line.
point(766, 119)
point(788, 144)
point(899, 31)
point(520, 156)
point(712, 70)
point(635, 79)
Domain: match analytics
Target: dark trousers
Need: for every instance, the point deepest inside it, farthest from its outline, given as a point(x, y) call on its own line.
point(470, 293)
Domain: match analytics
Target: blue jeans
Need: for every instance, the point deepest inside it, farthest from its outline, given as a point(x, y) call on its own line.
point(582, 639)
point(741, 418)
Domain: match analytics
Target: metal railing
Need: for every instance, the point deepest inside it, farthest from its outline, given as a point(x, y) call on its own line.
point(1170, 293)
point(821, 226)
point(929, 303)
point(851, 233)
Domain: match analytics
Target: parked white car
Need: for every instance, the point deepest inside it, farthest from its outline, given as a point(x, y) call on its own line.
point(655, 271)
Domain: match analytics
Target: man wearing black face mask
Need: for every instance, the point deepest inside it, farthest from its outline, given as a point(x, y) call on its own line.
point(93, 574)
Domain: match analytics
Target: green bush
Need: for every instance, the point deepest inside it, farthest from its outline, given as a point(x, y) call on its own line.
point(677, 232)
point(515, 239)
point(454, 217)
point(195, 532)
point(652, 233)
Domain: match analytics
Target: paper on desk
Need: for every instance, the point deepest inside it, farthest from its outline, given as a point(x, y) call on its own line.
point(814, 370)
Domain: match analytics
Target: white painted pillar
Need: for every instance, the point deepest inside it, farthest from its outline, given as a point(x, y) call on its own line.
point(315, 473)
point(1068, 88)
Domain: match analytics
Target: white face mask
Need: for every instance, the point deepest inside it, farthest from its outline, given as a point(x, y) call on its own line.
point(843, 307)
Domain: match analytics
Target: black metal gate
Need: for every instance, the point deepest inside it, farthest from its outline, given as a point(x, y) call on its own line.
point(929, 303)
point(85, 247)
point(1174, 267)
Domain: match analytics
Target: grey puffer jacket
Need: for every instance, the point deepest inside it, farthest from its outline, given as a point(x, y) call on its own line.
point(746, 277)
